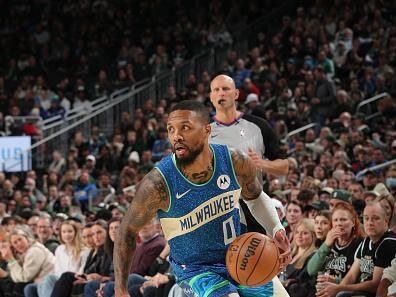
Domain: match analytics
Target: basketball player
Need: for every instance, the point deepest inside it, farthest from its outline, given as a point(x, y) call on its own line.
point(194, 192)
point(245, 132)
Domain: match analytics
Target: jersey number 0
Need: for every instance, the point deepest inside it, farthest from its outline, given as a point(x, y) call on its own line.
point(229, 231)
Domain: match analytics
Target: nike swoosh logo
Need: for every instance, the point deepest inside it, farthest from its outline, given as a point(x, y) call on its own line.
point(214, 135)
point(178, 196)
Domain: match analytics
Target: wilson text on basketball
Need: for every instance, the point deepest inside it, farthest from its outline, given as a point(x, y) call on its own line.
point(250, 251)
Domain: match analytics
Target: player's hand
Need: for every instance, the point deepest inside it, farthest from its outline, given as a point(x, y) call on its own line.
point(283, 244)
point(256, 158)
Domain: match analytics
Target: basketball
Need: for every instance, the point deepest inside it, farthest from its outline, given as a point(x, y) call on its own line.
point(252, 259)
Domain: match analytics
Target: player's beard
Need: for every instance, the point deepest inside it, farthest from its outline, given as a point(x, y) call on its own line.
point(191, 157)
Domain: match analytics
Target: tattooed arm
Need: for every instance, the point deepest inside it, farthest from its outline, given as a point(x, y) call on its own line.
point(259, 203)
point(150, 196)
point(246, 174)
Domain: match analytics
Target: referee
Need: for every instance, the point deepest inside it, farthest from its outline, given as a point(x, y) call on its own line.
point(248, 133)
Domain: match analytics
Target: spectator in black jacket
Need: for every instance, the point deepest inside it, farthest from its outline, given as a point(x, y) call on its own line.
point(97, 267)
point(323, 97)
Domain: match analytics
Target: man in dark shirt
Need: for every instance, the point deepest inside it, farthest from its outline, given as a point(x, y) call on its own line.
point(323, 98)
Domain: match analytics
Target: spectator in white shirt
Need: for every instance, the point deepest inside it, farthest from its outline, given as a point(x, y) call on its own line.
point(71, 256)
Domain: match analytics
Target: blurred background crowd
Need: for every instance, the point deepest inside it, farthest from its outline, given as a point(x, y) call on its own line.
point(317, 65)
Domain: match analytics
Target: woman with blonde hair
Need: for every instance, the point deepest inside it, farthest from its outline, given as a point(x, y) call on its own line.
point(303, 246)
point(388, 203)
point(28, 260)
point(97, 267)
point(71, 256)
point(303, 249)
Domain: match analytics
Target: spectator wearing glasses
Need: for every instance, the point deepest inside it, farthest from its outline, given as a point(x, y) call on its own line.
point(45, 233)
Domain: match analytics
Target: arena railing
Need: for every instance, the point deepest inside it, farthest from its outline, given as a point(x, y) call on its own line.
point(370, 100)
point(210, 61)
point(298, 131)
point(51, 120)
point(106, 111)
point(56, 136)
point(386, 164)
point(58, 120)
point(59, 140)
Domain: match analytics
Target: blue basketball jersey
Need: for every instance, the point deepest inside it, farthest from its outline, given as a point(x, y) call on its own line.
point(202, 219)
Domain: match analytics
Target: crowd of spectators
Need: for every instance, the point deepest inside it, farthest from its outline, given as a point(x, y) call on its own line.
point(316, 68)
point(60, 56)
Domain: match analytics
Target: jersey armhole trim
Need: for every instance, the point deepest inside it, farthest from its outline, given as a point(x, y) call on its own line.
point(232, 166)
point(167, 188)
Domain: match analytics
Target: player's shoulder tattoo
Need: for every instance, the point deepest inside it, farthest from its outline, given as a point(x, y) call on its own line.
point(242, 163)
point(246, 173)
point(153, 188)
point(159, 184)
